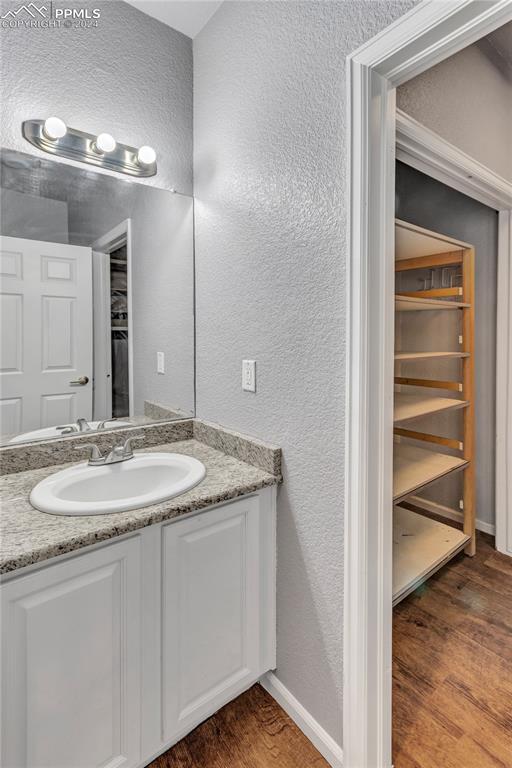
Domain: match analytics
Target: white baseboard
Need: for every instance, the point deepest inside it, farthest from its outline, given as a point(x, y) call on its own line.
point(325, 744)
point(489, 528)
point(451, 514)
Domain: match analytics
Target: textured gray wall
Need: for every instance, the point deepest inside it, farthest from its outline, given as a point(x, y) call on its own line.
point(428, 203)
point(467, 101)
point(131, 76)
point(271, 213)
point(36, 218)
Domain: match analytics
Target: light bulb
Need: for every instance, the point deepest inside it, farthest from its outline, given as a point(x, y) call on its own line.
point(146, 155)
point(54, 128)
point(105, 143)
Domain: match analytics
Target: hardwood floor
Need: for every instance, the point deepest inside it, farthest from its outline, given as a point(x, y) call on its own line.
point(452, 666)
point(250, 732)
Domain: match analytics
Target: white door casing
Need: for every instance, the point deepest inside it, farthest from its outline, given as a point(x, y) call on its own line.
point(102, 380)
point(119, 235)
point(422, 38)
point(504, 387)
point(46, 334)
point(71, 651)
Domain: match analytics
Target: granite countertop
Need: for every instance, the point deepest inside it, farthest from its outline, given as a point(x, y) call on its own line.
point(28, 536)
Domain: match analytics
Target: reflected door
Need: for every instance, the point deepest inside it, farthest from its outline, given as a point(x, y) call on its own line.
point(46, 334)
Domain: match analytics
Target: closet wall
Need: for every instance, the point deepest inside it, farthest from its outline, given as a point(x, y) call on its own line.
point(428, 203)
point(444, 99)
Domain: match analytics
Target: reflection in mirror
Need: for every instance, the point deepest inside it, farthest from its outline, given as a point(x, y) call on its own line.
point(97, 301)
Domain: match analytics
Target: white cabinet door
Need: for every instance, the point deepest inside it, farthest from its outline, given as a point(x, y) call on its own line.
point(46, 334)
point(71, 663)
point(211, 602)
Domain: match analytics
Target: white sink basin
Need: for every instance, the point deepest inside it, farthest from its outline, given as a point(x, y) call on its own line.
point(147, 478)
point(48, 432)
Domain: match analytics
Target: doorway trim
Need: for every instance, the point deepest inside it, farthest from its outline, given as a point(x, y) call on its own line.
point(422, 38)
point(114, 238)
point(504, 386)
point(429, 153)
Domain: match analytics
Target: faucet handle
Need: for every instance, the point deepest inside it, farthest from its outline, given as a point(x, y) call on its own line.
point(128, 443)
point(101, 424)
point(83, 425)
point(95, 451)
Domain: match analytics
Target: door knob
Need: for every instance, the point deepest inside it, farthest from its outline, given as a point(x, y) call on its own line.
point(80, 382)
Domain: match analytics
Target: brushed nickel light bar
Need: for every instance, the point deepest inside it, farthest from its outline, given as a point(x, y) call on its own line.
point(55, 137)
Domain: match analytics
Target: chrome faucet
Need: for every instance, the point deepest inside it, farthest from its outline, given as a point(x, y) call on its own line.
point(117, 453)
point(101, 424)
point(81, 425)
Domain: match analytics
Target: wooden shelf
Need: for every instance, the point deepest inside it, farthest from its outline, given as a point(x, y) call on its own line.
point(428, 355)
point(412, 241)
point(416, 467)
point(412, 304)
point(420, 547)
point(409, 407)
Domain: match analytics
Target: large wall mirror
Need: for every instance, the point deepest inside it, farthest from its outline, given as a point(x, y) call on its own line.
point(97, 301)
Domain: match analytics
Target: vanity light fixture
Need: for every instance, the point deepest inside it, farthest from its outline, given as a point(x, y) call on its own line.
point(54, 128)
point(146, 155)
point(104, 143)
point(53, 136)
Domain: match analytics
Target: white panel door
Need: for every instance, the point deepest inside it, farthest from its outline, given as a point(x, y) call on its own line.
point(210, 623)
point(71, 663)
point(46, 334)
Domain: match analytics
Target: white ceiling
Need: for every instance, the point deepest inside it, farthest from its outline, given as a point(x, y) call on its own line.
point(187, 16)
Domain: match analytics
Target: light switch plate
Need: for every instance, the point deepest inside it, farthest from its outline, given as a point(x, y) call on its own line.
point(249, 375)
point(160, 362)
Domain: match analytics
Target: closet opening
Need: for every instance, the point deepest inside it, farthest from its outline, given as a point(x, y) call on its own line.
point(433, 404)
point(112, 324)
point(449, 582)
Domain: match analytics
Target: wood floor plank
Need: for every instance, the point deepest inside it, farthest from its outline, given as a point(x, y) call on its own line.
point(483, 729)
point(490, 571)
point(252, 731)
point(421, 737)
point(423, 644)
point(501, 563)
point(484, 675)
point(475, 611)
point(416, 698)
point(452, 672)
point(472, 755)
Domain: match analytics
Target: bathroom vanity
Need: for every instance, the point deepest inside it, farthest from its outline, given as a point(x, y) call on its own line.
point(137, 591)
point(121, 632)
